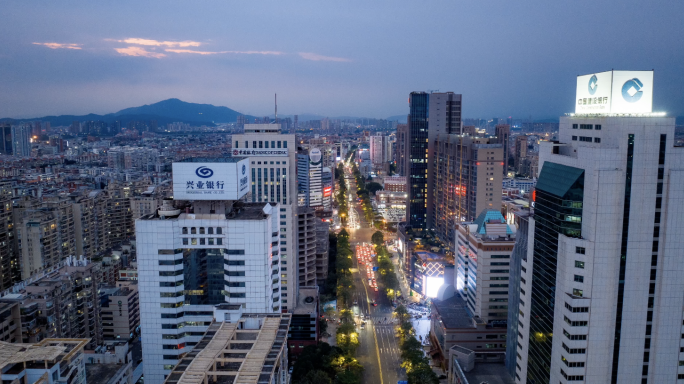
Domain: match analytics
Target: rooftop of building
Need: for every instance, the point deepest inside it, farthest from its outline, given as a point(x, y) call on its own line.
point(253, 345)
point(453, 313)
point(211, 160)
point(49, 350)
point(490, 373)
point(239, 211)
point(429, 256)
point(308, 301)
point(102, 373)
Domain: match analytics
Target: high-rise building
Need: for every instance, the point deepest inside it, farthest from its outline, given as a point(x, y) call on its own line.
point(215, 250)
point(417, 160)
point(400, 155)
point(5, 139)
point(467, 180)
point(309, 178)
point(306, 250)
point(10, 271)
point(483, 249)
point(520, 152)
point(503, 134)
point(273, 162)
point(21, 140)
point(603, 283)
point(444, 119)
point(378, 149)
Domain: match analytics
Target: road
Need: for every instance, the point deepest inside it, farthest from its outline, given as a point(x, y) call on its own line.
point(378, 350)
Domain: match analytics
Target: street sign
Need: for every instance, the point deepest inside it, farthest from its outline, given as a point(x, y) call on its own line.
point(375, 269)
point(402, 382)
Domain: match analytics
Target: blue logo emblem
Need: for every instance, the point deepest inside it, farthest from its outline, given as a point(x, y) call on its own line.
point(204, 172)
point(632, 90)
point(244, 169)
point(593, 85)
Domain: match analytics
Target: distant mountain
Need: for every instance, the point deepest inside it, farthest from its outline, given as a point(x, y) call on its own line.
point(181, 110)
point(401, 119)
point(164, 112)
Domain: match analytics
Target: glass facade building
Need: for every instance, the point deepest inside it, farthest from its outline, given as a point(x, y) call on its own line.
point(418, 159)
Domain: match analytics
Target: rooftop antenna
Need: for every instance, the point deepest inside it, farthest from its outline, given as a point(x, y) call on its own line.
point(276, 109)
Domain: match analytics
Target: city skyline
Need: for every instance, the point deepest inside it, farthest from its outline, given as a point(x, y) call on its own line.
point(515, 60)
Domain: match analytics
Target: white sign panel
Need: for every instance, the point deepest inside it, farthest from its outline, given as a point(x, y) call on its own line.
point(593, 93)
point(632, 92)
point(250, 152)
point(211, 180)
point(615, 92)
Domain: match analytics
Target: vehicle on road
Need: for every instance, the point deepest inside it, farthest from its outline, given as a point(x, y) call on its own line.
point(356, 302)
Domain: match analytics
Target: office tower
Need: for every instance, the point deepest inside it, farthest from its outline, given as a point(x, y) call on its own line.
point(467, 180)
point(273, 161)
point(483, 250)
point(215, 250)
point(5, 139)
point(296, 121)
point(306, 251)
point(21, 142)
point(503, 133)
point(237, 348)
point(328, 184)
point(309, 182)
point(120, 312)
point(417, 160)
point(322, 248)
point(444, 118)
point(9, 260)
point(520, 152)
point(400, 156)
point(603, 282)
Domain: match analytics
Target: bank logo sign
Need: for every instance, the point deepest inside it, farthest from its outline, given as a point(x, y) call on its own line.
point(593, 84)
point(615, 92)
point(211, 181)
point(250, 152)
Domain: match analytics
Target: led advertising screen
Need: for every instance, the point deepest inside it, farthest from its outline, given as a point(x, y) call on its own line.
point(211, 180)
point(432, 285)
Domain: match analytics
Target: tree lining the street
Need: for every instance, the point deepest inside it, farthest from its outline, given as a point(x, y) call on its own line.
point(326, 364)
point(413, 358)
point(386, 273)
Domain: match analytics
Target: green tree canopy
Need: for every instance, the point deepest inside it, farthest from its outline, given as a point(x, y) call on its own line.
point(373, 187)
point(378, 238)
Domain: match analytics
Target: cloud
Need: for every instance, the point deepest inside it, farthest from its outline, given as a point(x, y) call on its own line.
point(225, 52)
point(137, 51)
point(157, 43)
point(317, 57)
point(59, 45)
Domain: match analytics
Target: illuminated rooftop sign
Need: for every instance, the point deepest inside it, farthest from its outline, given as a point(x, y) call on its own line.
point(614, 92)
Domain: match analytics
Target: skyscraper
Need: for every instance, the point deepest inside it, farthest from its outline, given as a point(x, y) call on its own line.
point(417, 160)
point(273, 162)
point(21, 142)
point(444, 119)
point(602, 286)
point(467, 179)
point(503, 133)
point(216, 249)
point(309, 178)
point(401, 153)
point(5, 139)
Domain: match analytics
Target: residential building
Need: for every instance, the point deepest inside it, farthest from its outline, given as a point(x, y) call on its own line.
point(468, 176)
point(10, 322)
point(254, 344)
point(520, 152)
point(272, 172)
point(21, 140)
point(483, 252)
point(215, 250)
point(111, 364)
point(6, 139)
point(417, 160)
point(51, 361)
point(322, 246)
point(306, 246)
point(378, 150)
point(603, 281)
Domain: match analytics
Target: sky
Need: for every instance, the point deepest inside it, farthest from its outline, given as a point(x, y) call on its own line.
point(346, 58)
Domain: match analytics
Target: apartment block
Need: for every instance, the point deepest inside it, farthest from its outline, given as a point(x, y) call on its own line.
point(120, 312)
point(51, 361)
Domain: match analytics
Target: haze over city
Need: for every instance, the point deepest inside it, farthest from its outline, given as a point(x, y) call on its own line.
point(338, 59)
